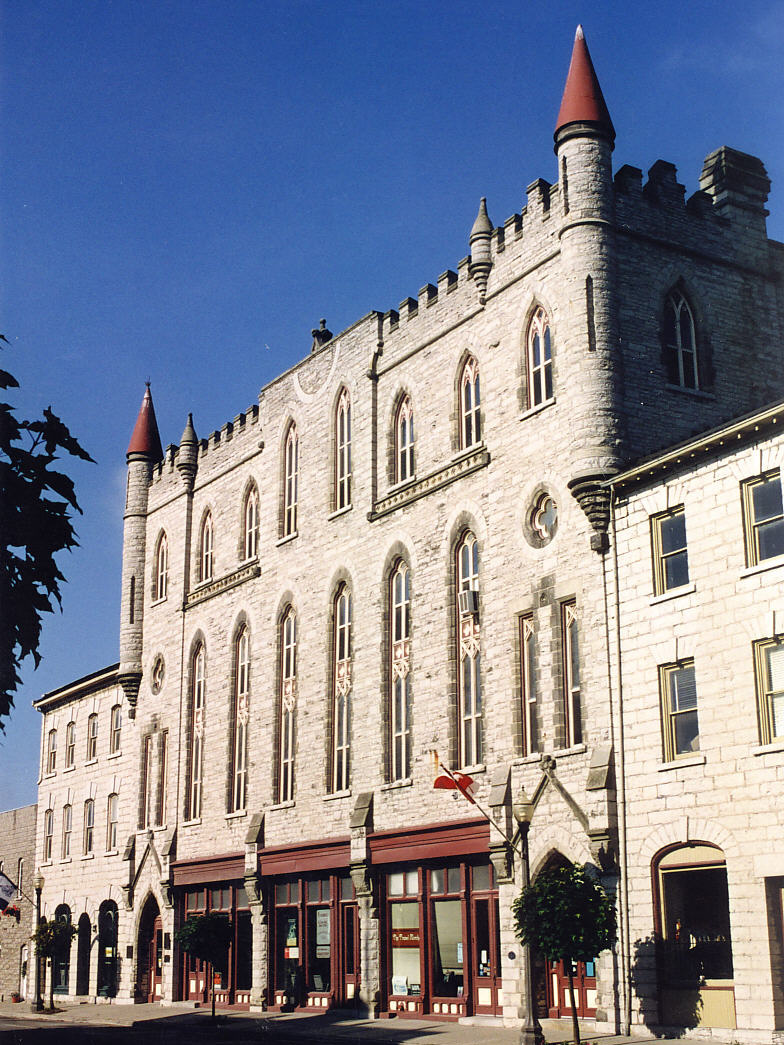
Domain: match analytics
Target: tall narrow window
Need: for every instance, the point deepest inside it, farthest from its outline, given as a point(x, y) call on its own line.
point(400, 673)
point(341, 690)
point(470, 418)
point(115, 731)
point(540, 359)
point(163, 768)
point(112, 805)
point(251, 524)
point(240, 745)
point(206, 555)
point(89, 826)
point(670, 554)
point(763, 515)
point(573, 726)
point(197, 734)
point(680, 346)
point(70, 745)
point(290, 481)
point(679, 710)
point(146, 784)
point(288, 703)
point(769, 658)
point(404, 441)
point(343, 452)
point(51, 751)
point(162, 568)
point(67, 827)
point(529, 714)
point(19, 877)
point(92, 738)
point(48, 834)
point(469, 658)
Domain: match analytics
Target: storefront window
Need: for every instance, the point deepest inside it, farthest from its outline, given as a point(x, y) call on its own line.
point(404, 924)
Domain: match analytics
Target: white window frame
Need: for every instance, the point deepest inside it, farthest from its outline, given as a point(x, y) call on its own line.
point(341, 690)
point(752, 525)
point(770, 688)
point(206, 549)
point(290, 481)
point(88, 839)
point(239, 780)
point(288, 700)
point(70, 744)
point(661, 558)
point(343, 451)
point(404, 441)
point(528, 688)
point(539, 357)
point(48, 835)
point(684, 354)
point(572, 694)
point(51, 751)
point(92, 737)
point(400, 673)
point(115, 729)
point(197, 733)
point(669, 676)
point(470, 405)
point(251, 524)
point(112, 820)
point(162, 568)
point(469, 710)
point(67, 829)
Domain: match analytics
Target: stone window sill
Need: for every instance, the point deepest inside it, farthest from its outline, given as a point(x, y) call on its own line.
point(575, 749)
point(767, 564)
point(393, 785)
point(466, 451)
point(69, 769)
point(114, 754)
point(401, 484)
point(480, 767)
point(774, 747)
point(336, 794)
point(284, 805)
point(673, 593)
point(682, 763)
point(91, 762)
point(157, 602)
point(338, 512)
point(50, 776)
point(285, 540)
point(88, 856)
point(533, 410)
point(528, 760)
point(697, 393)
point(111, 852)
point(237, 814)
point(192, 823)
point(65, 860)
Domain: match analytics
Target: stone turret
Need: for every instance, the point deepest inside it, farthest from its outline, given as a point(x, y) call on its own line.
point(481, 259)
point(738, 185)
point(584, 139)
point(144, 451)
point(187, 457)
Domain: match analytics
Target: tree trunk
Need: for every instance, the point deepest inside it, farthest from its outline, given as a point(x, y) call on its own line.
point(51, 985)
point(575, 1024)
point(212, 986)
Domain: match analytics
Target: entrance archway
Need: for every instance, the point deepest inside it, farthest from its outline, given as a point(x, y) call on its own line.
point(83, 955)
point(107, 949)
point(61, 962)
point(150, 953)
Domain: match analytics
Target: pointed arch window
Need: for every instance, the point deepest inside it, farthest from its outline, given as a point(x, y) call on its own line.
point(400, 673)
point(288, 704)
point(539, 359)
point(680, 343)
point(470, 748)
point(239, 776)
point(161, 569)
point(206, 549)
point(251, 524)
point(341, 690)
point(404, 441)
point(197, 734)
point(343, 452)
point(470, 401)
point(290, 481)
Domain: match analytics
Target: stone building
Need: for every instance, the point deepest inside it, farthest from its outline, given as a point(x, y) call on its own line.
point(400, 557)
point(17, 862)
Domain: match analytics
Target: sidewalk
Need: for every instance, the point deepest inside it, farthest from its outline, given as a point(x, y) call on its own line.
point(155, 1023)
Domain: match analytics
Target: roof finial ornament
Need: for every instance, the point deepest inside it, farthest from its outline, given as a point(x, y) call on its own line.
point(321, 336)
point(481, 257)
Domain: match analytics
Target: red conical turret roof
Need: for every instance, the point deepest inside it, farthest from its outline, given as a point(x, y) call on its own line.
point(145, 439)
point(583, 101)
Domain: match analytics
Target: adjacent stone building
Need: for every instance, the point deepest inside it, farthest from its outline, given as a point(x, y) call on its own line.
point(404, 556)
point(17, 862)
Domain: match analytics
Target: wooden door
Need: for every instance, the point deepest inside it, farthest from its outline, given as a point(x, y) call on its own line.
point(155, 962)
point(347, 993)
point(584, 976)
point(485, 956)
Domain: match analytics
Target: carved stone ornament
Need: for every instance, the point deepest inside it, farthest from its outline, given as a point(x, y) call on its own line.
point(469, 637)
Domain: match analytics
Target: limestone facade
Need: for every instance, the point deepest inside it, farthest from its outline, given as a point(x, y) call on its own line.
point(285, 708)
point(17, 854)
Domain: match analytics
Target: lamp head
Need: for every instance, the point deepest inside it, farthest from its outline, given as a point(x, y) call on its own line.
point(523, 808)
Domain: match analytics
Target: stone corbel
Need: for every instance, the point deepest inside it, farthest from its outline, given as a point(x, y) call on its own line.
point(127, 895)
point(501, 859)
point(602, 843)
point(167, 891)
point(252, 883)
point(593, 497)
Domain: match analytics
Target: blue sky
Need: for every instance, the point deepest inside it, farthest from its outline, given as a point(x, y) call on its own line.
point(189, 185)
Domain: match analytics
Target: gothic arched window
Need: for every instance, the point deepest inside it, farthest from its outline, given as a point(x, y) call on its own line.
point(290, 481)
point(239, 776)
point(251, 524)
point(341, 689)
point(287, 704)
point(469, 711)
point(343, 451)
point(470, 418)
point(404, 441)
point(197, 734)
point(161, 585)
point(680, 343)
point(206, 553)
point(399, 714)
point(539, 359)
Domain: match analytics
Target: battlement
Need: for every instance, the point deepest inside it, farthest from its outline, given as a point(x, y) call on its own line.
point(243, 425)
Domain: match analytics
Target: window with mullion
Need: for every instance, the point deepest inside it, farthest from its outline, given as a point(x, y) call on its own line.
point(48, 834)
point(67, 826)
point(769, 657)
point(470, 739)
point(197, 734)
point(571, 674)
point(470, 417)
point(251, 525)
point(206, 553)
point(112, 804)
point(764, 517)
point(162, 568)
point(529, 696)
point(341, 690)
point(290, 482)
point(404, 441)
point(146, 784)
point(70, 744)
point(51, 753)
point(680, 342)
point(540, 360)
point(400, 674)
point(288, 699)
point(89, 826)
point(670, 553)
point(343, 452)
point(115, 730)
point(679, 710)
point(240, 744)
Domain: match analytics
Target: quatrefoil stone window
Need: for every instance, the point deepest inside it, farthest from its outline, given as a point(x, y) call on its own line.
point(541, 521)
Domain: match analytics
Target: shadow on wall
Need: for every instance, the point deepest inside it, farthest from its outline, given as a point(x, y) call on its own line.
point(667, 981)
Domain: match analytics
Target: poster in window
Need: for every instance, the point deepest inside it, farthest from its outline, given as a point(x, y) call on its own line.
point(291, 932)
point(322, 927)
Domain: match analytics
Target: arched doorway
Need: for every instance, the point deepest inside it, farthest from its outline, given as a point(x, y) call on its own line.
point(61, 963)
point(694, 952)
point(149, 973)
point(557, 1000)
point(107, 949)
point(83, 955)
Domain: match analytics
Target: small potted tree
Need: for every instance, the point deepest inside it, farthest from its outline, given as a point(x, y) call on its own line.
point(207, 937)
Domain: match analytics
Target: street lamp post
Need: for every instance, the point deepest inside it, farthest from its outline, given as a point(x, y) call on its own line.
point(532, 1034)
point(37, 1004)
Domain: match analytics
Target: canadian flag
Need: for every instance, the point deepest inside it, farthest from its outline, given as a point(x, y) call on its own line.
point(7, 891)
point(451, 780)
